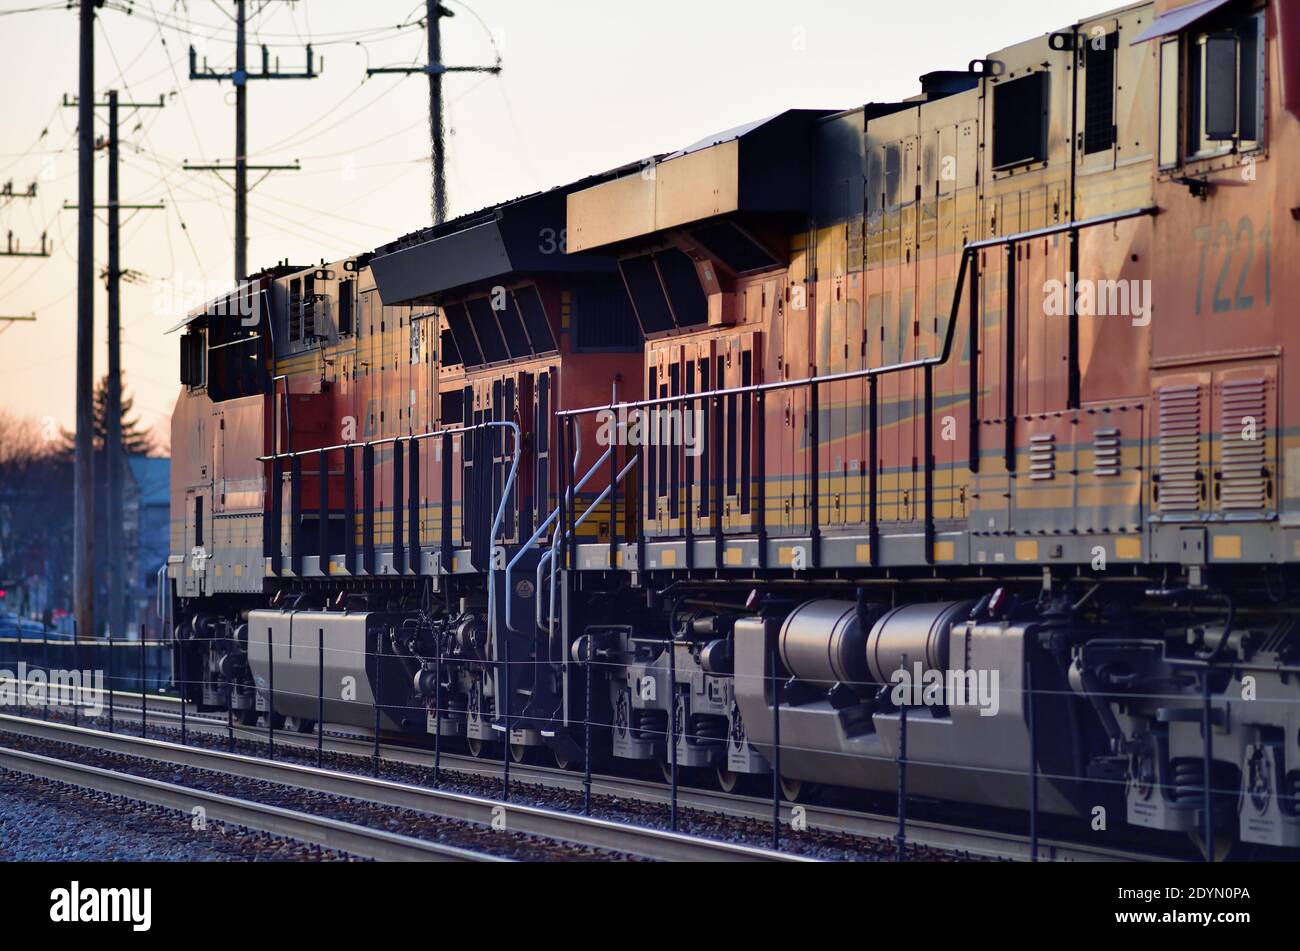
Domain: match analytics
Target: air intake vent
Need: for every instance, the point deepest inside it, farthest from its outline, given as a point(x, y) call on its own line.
point(1105, 452)
point(1243, 478)
point(1180, 449)
point(1042, 456)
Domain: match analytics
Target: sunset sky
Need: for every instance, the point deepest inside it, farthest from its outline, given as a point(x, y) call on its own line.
point(587, 85)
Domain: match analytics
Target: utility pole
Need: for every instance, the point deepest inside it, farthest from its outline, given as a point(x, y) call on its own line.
point(7, 191)
point(83, 554)
point(13, 249)
point(240, 77)
point(435, 69)
point(113, 410)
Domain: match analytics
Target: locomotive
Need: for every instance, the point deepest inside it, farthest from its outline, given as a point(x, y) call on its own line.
point(954, 421)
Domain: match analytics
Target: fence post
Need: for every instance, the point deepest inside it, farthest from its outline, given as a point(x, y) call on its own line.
point(379, 697)
point(504, 701)
point(45, 659)
point(586, 732)
point(776, 748)
point(22, 678)
point(112, 668)
point(672, 712)
point(270, 692)
point(900, 839)
point(144, 707)
point(437, 693)
point(1207, 728)
point(320, 697)
point(180, 653)
point(1033, 760)
point(76, 696)
point(22, 684)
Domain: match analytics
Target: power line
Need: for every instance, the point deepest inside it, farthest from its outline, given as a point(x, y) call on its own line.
point(240, 77)
point(435, 68)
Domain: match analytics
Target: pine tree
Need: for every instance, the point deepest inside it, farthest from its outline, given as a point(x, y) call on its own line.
point(135, 441)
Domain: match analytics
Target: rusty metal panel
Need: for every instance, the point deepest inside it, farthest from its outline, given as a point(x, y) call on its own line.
point(698, 185)
point(612, 211)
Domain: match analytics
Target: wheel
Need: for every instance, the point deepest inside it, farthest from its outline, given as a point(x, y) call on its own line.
point(247, 717)
point(794, 790)
point(562, 760)
point(483, 749)
point(740, 784)
point(299, 725)
point(686, 775)
point(519, 753)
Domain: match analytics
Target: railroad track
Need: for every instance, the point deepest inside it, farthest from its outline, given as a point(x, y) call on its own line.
point(318, 830)
point(544, 823)
point(938, 835)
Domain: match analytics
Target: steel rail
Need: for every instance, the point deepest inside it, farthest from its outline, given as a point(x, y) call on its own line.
point(276, 820)
point(533, 820)
point(939, 835)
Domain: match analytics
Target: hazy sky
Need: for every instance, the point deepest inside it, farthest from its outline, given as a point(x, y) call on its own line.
point(587, 85)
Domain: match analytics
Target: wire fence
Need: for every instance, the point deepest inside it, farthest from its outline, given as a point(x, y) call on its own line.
point(147, 667)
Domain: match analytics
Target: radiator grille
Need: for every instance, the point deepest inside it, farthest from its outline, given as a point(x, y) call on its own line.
point(1180, 448)
point(1243, 445)
point(1042, 456)
point(1105, 452)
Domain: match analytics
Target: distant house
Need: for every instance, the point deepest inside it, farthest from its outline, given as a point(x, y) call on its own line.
point(147, 514)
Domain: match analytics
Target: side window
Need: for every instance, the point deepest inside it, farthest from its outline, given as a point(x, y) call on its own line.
point(1099, 94)
point(1020, 109)
point(1225, 89)
point(1169, 103)
point(198, 521)
point(193, 359)
point(345, 307)
point(295, 309)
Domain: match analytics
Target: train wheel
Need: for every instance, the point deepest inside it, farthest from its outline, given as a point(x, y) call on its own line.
point(563, 761)
point(686, 775)
point(299, 725)
point(482, 749)
point(794, 790)
point(247, 717)
point(741, 784)
point(519, 753)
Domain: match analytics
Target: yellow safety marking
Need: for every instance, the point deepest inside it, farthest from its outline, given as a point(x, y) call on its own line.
point(863, 554)
point(1128, 548)
point(944, 551)
point(1027, 551)
point(1227, 546)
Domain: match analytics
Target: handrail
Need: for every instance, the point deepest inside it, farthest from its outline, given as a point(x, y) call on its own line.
point(969, 261)
point(967, 251)
point(541, 530)
point(549, 556)
point(501, 506)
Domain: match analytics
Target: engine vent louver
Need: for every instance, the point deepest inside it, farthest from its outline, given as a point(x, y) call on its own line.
point(1179, 473)
point(1042, 456)
point(1243, 442)
point(1106, 452)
